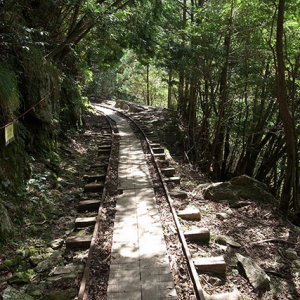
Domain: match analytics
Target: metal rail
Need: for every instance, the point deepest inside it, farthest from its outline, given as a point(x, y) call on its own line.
point(83, 290)
point(193, 273)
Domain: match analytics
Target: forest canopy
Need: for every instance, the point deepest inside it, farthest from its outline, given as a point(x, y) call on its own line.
point(230, 68)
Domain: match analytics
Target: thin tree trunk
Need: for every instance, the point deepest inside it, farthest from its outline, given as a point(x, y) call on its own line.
point(219, 135)
point(170, 89)
point(148, 86)
point(290, 182)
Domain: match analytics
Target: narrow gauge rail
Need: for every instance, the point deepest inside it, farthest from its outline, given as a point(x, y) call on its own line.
point(83, 289)
point(198, 290)
point(193, 273)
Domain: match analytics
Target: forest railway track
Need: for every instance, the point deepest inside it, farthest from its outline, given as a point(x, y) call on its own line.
point(216, 264)
point(96, 182)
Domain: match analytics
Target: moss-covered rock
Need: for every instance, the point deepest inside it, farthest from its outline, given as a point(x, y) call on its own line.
point(19, 278)
point(11, 293)
point(36, 290)
point(243, 187)
point(13, 263)
point(61, 295)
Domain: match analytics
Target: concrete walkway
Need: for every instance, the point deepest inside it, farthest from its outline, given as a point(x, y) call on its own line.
point(139, 266)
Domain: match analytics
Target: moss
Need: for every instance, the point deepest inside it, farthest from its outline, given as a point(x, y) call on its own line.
point(9, 94)
point(61, 295)
point(13, 263)
point(19, 278)
point(14, 164)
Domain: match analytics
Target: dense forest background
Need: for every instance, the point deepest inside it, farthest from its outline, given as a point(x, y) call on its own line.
point(230, 68)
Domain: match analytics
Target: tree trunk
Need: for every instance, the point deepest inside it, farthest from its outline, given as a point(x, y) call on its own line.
point(148, 87)
point(170, 89)
point(289, 190)
point(217, 144)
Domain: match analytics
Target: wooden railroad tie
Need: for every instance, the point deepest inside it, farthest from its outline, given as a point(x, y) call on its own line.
point(85, 222)
point(153, 139)
point(103, 152)
point(88, 205)
point(215, 265)
point(155, 145)
point(93, 187)
point(169, 172)
point(157, 150)
point(160, 156)
point(98, 166)
point(197, 235)
point(192, 214)
point(164, 162)
point(175, 180)
point(79, 242)
point(104, 147)
point(94, 177)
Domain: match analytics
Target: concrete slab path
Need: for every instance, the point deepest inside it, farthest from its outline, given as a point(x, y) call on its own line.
point(139, 265)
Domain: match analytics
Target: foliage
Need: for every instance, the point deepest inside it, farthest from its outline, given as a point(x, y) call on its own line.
point(9, 94)
point(131, 80)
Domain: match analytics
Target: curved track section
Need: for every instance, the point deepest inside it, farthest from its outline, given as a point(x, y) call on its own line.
point(140, 266)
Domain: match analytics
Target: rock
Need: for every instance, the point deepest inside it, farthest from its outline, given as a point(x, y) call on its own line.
point(222, 216)
point(11, 293)
point(221, 239)
point(35, 260)
point(67, 270)
point(81, 257)
point(56, 244)
point(61, 295)
point(49, 250)
point(291, 254)
point(224, 240)
point(5, 222)
point(215, 281)
point(256, 276)
point(36, 289)
point(55, 259)
point(62, 278)
point(239, 187)
point(26, 253)
point(220, 249)
point(19, 278)
point(232, 243)
point(43, 266)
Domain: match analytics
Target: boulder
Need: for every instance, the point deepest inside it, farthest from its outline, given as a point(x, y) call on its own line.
point(36, 290)
point(62, 278)
point(243, 187)
point(61, 295)
point(11, 293)
point(256, 276)
point(19, 278)
point(35, 260)
point(55, 259)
